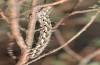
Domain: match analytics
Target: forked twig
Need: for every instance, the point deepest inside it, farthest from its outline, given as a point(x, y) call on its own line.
point(14, 26)
point(31, 24)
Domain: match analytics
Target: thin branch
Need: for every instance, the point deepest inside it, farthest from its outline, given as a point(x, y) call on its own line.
point(85, 60)
point(14, 22)
point(66, 16)
point(73, 38)
point(49, 4)
point(31, 24)
point(84, 11)
point(14, 26)
point(54, 3)
point(73, 13)
point(66, 48)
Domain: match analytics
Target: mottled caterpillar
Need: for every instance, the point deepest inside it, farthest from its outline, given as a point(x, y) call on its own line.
point(44, 37)
point(45, 32)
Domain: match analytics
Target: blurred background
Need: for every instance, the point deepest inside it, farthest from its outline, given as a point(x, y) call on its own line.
point(74, 53)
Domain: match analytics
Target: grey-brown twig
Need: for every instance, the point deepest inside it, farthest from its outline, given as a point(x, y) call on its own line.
point(31, 24)
point(14, 27)
point(54, 3)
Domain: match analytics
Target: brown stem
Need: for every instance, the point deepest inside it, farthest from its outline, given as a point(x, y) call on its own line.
point(54, 3)
point(45, 5)
point(31, 24)
point(14, 26)
point(14, 23)
point(23, 57)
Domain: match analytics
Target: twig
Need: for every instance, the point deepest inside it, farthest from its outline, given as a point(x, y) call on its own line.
point(14, 26)
point(84, 11)
point(74, 37)
point(49, 4)
point(66, 16)
point(31, 24)
point(66, 48)
point(85, 60)
point(14, 22)
point(54, 3)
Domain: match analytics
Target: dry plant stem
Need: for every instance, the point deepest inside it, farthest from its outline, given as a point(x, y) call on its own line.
point(14, 26)
point(66, 48)
point(31, 24)
point(85, 60)
point(84, 11)
point(66, 16)
point(70, 40)
point(14, 23)
point(54, 3)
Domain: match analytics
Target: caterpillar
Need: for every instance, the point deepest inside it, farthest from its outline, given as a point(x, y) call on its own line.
point(45, 32)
